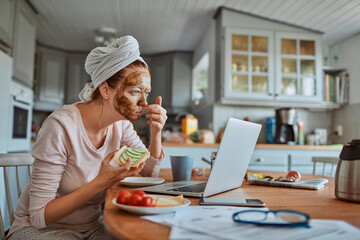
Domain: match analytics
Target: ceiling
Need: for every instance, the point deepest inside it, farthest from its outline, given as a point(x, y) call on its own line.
point(177, 25)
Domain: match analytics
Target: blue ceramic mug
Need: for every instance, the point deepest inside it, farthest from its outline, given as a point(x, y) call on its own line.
point(181, 167)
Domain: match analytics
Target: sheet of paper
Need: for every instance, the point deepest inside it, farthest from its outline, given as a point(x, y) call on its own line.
point(195, 213)
point(215, 222)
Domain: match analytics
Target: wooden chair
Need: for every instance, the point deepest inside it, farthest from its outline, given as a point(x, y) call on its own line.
point(332, 161)
point(7, 161)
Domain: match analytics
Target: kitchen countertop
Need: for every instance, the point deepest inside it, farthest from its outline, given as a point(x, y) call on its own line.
point(260, 146)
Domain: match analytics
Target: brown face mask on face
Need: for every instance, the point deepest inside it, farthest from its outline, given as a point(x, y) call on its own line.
point(128, 105)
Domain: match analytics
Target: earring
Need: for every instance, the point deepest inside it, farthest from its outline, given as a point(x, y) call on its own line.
point(106, 98)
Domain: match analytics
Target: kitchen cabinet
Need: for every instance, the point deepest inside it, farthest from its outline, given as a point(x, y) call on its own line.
point(50, 84)
point(260, 62)
point(300, 160)
point(7, 11)
point(76, 77)
point(269, 160)
point(248, 64)
point(252, 55)
point(171, 79)
point(288, 160)
point(298, 67)
point(24, 44)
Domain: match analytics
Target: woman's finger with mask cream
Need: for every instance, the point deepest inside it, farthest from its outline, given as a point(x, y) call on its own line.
point(155, 108)
point(159, 100)
point(156, 117)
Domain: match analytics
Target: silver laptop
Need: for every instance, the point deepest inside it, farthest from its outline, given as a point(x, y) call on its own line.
point(231, 163)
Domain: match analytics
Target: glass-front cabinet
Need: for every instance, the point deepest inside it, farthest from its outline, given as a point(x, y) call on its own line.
point(298, 67)
point(257, 68)
point(248, 67)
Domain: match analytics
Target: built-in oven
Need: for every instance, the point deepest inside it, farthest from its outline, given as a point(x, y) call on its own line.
point(20, 118)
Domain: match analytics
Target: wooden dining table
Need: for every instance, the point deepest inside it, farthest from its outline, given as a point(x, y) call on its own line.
point(318, 204)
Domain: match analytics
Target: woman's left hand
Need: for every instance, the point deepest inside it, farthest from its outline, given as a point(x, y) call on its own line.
point(157, 116)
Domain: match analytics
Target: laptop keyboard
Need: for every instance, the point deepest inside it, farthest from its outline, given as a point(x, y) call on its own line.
point(200, 187)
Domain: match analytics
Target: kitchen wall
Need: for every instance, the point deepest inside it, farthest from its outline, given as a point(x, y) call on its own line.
point(206, 45)
point(348, 53)
point(204, 111)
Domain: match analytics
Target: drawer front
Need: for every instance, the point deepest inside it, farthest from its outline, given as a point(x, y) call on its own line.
point(271, 157)
point(301, 159)
point(304, 157)
point(276, 168)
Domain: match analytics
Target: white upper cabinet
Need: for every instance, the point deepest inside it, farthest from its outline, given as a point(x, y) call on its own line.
point(7, 8)
point(258, 68)
point(267, 63)
point(24, 44)
point(249, 64)
point(298, 67)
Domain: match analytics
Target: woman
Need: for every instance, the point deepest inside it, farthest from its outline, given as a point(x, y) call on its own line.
point(74, 148)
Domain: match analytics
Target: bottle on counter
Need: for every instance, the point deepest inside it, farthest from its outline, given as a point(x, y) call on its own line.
point(270, 129)
point(301, 135)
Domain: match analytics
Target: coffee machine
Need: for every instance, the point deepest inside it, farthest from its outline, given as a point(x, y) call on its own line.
point(286, 126)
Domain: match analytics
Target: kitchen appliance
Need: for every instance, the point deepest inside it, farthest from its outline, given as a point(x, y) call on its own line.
point(16, 101)
point(347, 178)
point(20, 117)
point(286, 126)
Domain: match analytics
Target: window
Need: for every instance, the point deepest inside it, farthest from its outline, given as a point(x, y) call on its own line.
point(200, 79)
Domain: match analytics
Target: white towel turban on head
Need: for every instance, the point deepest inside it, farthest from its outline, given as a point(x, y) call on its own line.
point(104, 62)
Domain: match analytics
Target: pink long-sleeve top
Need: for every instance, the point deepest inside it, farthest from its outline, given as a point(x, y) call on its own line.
point(65, 160)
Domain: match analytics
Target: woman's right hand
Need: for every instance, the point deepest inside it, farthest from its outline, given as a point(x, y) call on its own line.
point(109, 175)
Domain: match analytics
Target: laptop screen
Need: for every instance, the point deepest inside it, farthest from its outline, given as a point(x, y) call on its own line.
point(233, 156)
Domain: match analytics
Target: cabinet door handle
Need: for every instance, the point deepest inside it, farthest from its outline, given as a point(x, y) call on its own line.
point(270, 94)
point(260, 159)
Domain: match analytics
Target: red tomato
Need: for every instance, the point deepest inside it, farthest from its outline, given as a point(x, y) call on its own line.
point(134, 200)
point(147, 202)
point(139, 192)
point(122, 196)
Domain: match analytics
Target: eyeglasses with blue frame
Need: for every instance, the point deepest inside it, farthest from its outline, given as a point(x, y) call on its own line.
point(280, 218)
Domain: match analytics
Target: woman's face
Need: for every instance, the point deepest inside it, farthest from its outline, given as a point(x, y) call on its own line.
point(130, 99)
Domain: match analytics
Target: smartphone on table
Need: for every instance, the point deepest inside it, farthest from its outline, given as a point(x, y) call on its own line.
point(242, 202)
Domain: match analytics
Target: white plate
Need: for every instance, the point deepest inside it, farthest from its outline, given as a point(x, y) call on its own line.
point(151, 210)
point(141, 181)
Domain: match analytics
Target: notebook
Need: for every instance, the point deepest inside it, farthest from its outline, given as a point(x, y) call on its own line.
point(231, 162)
